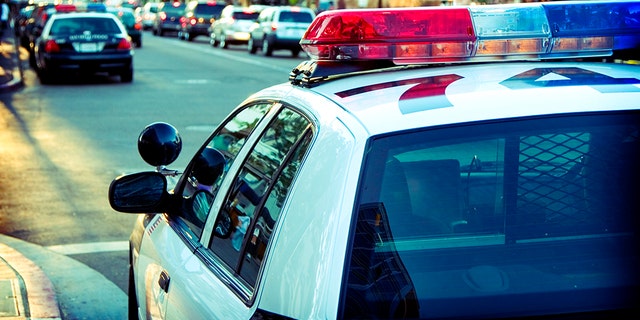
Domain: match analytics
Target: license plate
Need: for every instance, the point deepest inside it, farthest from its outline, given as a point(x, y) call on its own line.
point(88, 47)
point(293, 33)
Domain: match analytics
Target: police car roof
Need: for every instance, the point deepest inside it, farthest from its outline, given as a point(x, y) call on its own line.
point(392, 101)
point(406, 68)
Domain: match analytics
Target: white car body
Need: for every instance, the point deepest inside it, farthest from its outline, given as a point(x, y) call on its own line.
point(177, 274)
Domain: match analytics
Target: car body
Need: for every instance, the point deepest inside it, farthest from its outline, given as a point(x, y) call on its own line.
point(128, 19)
point(279, 28)
point(198, 16)
point(148, 14)
point(83, 43)
point(168, 18)
point(455, 178)
point(20, 24)
point(33, 27)
point(233, 25)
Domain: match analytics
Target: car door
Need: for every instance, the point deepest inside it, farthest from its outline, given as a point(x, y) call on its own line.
point(171, 239)
point(220, 279)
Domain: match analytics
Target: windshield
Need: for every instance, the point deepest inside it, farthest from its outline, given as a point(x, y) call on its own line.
point(499, 219)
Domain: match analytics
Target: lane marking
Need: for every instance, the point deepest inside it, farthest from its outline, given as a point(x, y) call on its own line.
point(92, 247)
point(211, 51)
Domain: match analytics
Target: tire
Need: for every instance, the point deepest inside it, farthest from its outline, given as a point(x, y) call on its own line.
point(251, 47)
point(32, 60)
point(126, 76)
point(188, 36)
point(45, 77)
point(132, 300)
point(214, 40)
point(295, 53)
point(223, 42)
point(267, 48)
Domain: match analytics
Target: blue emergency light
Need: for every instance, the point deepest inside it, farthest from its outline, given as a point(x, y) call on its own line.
point(476, 33)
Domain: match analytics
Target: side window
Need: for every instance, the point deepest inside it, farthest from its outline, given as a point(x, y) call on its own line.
point(258, 193)
point(208, 168)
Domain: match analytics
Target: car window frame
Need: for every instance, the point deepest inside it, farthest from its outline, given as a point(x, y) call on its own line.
point(176, 219)
point(231, 276)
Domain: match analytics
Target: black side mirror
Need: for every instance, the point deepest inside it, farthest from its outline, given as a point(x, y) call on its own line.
point(143, 192)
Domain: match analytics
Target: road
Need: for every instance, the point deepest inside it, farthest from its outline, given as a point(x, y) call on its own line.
point(62, 144)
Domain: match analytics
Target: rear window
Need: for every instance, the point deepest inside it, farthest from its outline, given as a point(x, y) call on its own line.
point(499, 220)
point(291, 16)
point(82, 25)
point(208, 10)
point(240, 15)
point(173, 10)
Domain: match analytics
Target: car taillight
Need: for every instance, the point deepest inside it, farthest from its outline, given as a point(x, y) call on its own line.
point(124, 44)
point(163, 16)
point(137, 26)
point(51, 46)
point(274, 26)
point(193, 21)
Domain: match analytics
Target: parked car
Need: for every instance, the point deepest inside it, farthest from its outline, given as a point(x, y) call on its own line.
point(279, 28)
point(83, 43)
point(198, 16)
point(425, 163)
point(233, 25)
point(128, 19)
point(33, 27)
point(168, 18)
point(20, 24)
point(148, 14)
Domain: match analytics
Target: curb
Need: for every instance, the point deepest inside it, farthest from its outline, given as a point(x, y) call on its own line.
point(33, 292)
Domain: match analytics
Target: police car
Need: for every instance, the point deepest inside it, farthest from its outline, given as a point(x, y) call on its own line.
point(449, 162)
point(83, 42)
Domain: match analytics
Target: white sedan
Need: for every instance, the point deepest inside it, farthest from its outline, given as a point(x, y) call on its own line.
point(459, 162)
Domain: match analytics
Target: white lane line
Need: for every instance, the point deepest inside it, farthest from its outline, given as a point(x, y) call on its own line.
point(214, 52)
point(92, 247)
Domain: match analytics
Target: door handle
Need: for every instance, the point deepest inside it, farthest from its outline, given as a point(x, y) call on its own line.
point(163, 281)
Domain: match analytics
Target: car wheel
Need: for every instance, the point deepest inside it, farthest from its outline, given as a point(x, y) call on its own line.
point(223, 42)
point(139, 44)
point(32, 60)
point(133, 301)
point(161, 32)
point(295, 52)
point(126, 76)
point(251, 46)
point(44, 76)
point(188, 36)
point(267, 49)
point(214, 40)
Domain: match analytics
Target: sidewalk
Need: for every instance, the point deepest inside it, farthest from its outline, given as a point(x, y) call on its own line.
point(25, 291)
point(10, 65)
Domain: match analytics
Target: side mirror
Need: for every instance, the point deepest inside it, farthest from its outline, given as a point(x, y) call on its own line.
point(144, 192)
point(159, 144)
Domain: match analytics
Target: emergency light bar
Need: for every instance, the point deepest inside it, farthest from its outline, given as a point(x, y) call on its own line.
point(475, 33)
